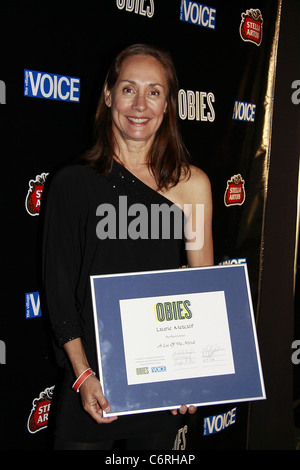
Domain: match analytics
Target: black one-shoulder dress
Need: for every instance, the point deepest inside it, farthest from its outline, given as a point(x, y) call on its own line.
point(72, 252)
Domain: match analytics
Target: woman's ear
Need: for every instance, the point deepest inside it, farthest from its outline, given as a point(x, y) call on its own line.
point(107, 96)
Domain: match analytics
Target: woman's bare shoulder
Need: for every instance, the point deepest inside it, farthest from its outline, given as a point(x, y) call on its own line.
point(197, 175)
point(196, 183)
point(193, 187)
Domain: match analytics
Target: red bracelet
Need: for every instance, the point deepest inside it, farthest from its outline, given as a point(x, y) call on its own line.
point(79, 381)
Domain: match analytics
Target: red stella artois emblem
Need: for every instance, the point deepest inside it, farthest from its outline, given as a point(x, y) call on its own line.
point(235, 191)
point(38, 418)
point(34, 195)
point(251, 26)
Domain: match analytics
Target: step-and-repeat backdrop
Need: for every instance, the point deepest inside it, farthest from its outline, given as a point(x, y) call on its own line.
point(53, 63)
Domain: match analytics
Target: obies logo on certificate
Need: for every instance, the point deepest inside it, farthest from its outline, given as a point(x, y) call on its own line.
point(176, 337)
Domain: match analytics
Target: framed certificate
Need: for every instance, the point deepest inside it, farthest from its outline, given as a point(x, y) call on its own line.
point(184, 336)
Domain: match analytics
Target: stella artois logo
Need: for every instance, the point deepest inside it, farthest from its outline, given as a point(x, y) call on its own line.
point(34, 195)
point(38, 418)
point(235, 191)
point(251, 26)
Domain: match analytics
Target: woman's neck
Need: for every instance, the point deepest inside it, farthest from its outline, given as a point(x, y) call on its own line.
point(131, 153)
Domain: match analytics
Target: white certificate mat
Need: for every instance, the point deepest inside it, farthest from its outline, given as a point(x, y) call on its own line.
point(180, 337)
point(184, 336)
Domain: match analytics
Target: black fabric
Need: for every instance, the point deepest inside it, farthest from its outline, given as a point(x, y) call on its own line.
point(72, 252)
point(154, 441)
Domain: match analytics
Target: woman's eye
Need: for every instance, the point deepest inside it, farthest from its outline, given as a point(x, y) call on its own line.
point(127, 90)
point(154, 93)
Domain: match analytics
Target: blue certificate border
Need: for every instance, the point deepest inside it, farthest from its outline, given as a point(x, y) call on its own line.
point(246, 384)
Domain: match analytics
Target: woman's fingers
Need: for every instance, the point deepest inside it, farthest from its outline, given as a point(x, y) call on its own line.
point(94, 401)
point(184, 408)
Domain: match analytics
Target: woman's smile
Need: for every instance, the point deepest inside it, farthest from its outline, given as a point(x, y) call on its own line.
point(136, 120)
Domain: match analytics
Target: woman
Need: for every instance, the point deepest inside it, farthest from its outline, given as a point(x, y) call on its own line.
point(138, 153)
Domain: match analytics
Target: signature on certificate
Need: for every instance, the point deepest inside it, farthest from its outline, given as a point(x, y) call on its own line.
point(185, 357)
point(212, 352)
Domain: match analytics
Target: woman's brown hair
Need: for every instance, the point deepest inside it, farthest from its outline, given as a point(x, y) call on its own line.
point(168, 156)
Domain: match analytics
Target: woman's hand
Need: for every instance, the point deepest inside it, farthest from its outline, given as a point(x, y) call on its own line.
point(90, 390)
point(94, 401)
point(183, 409)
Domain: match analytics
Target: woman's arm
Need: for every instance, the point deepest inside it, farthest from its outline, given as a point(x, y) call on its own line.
point(62, 258)
point(91, 393)
point(199, 218)
point(200, 248)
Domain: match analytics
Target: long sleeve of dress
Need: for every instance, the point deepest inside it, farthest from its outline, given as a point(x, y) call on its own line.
point(72, 252)
point(62, 255)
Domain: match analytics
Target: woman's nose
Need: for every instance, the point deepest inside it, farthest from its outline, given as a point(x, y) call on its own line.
point(139, 103)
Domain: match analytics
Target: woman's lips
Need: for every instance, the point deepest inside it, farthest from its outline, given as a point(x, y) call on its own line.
point(136, 120)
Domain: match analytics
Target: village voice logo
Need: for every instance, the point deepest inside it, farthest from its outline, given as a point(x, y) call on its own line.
point(196, 13)
point(217, 423)
point(251, 27)
point(32, 305)
point(244, 111)
point(51, 86)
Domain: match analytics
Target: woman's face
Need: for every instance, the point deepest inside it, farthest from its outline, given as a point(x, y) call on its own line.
point(139, 99)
